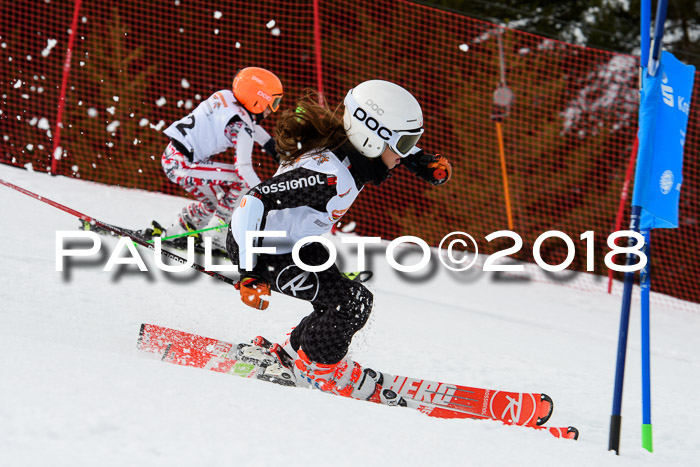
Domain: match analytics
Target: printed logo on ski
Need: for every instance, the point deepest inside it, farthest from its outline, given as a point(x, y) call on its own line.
point(512, 407)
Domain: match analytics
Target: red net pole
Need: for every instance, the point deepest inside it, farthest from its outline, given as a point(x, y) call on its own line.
point(64, 84)
point(317, 51)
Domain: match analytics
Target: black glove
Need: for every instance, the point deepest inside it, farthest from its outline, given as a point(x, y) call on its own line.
point(434, 169)
point(269, 148)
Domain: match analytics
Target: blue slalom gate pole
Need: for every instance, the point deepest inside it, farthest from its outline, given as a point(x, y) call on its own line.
point(616, 417)
point(645, 44)
point(658, 35)
point(652, 61)
point(645, 282)
point(645, 274)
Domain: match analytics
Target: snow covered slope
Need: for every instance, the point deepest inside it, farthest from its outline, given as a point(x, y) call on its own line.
point(74, 390)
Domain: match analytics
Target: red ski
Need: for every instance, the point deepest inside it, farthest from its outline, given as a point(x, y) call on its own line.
point(435, 399)
point(514, 408)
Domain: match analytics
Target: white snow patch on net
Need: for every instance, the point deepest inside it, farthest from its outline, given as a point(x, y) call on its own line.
point(51, 43)
point(112, 127)
point(43, 124)
point(159, 126)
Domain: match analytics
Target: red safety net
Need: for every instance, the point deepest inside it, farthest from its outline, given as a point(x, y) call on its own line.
point(567, 133)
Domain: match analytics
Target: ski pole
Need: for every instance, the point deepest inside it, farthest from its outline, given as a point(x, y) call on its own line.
point(117, 231)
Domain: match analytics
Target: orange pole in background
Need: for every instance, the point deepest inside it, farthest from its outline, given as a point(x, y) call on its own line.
point(504, 173)
point(502, 101)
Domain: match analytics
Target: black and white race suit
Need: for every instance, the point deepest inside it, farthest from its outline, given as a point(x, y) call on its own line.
point(304, 199)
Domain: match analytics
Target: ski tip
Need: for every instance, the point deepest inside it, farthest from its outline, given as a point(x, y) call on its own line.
point(142, 332)
point(545, 409)
point(167, 351)
point(572, 433)
point(563, 432)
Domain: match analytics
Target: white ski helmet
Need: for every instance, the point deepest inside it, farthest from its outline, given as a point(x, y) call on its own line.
point(380, 113)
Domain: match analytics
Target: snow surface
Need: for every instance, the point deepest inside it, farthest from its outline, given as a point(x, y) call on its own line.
point(74, 391)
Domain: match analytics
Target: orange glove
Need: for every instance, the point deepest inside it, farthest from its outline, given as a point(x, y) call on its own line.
point(434, 169)
point(253, 290)
point(442, 170)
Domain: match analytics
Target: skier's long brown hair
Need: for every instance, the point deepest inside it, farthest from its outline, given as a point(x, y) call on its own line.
point(309, 128)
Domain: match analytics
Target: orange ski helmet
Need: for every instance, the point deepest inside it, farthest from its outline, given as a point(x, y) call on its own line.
point(257, 89)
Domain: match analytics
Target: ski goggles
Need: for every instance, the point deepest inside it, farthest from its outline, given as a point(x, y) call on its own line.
point(275, 104)
point(400, 141)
